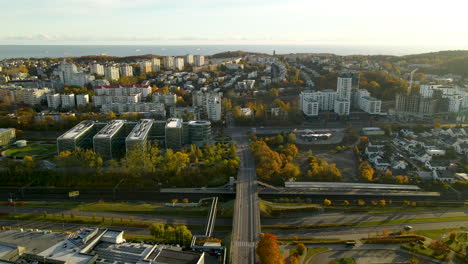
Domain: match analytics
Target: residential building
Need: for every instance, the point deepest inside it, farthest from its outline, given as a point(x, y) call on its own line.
point(199, 60)
point(342, 106)
point(7, 136)
point(188, 59)
point(186, 113)
point(370, 105)
point(169, 99)
point(68, 74)
point(82, 99)
point(68, 101)
point(145, 67)
point(343, 88)
point(126, 70)
point(310, 107)
point(112, 73)
point(53, 100)
point(155, 64)
point(139, 107)
point(179, 63)
point(169, 62)
point(213, 108)
point(97, 69)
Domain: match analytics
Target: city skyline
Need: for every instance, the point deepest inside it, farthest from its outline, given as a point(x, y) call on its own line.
point(144, 22)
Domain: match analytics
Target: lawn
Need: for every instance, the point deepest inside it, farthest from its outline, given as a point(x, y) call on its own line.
point(423, 250)
point(31, 150)
point(312, 252)
point(435, 233)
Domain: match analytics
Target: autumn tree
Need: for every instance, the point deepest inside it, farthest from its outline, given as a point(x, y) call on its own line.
point(327, 202)
point(268, 250)
point(439, 247)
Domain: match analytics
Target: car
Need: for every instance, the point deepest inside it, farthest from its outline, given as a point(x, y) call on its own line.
point(407, 227)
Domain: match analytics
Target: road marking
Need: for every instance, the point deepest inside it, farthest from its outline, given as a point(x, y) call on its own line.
point(244, 244)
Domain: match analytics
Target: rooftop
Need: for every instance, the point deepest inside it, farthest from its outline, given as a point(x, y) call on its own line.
point(141, 130)
point(200, 123)
point(349, 185)
point(33, 241)
point(122, 86)
point(110, 129)
point(177, 257)
point(174, 123)
point(78, 130)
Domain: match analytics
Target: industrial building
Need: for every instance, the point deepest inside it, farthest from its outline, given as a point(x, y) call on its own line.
point(109, 142)
point(7, 136)
point(79, 136)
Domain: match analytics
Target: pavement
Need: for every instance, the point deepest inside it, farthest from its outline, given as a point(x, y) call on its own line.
point(246, 220)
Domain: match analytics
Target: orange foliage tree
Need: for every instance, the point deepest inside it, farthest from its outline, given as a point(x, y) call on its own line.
point(268, 250)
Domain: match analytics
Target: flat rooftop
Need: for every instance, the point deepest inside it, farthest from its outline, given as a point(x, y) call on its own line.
point(349, 185)
point(200, 123)
point(66, 251)
point(5, 129)
point(110, 129)
point(78, 130)
point(141, 130)
point(174, 123)
point(177, 257)
point(33, 241)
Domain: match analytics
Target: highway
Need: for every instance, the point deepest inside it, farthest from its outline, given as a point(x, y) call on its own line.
point(246, 220)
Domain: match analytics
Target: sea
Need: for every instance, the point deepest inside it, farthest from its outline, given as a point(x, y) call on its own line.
point(59, 51)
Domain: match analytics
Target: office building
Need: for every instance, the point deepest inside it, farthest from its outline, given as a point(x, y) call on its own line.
point(7, 136)
point(169, 62)
point(199, 60)
point(138, 138)
point(188, 59)
point(126, 70)
point(97, 69)
point(68, 101)
point(112, 73)
point(53, 100)
point(109, 142)
point(79, 136)
point(179, 63)
point(174, 133)
point(82, 99)
point(200, 132)
point(145, 67)
point(341, 107)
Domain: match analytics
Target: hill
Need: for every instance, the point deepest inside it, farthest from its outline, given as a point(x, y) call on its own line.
point(237, 53)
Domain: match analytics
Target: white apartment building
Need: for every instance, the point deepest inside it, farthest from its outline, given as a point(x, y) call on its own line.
point(119, 108)
point(199, 60)
point(112, 73)
point(28, 96)
point(155, 64)
point(310, 107)
point(97, 69)
point(82, 99)
point(370, 105)
point(126, 70)
point(343, 88)
point(101, 100)
point(357, 95)
point(179, 63)
point(145, 90)
point(53, 100)
point(455, 103)
point(68, 74)
point(145, 66)
point(68, 101)
point(341, 107)
point(169, 99)
point(325, 99)
point(188, 59)
point(213, 108)
point(169, 62)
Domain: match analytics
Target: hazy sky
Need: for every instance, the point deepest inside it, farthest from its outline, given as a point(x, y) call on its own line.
point(339, 22)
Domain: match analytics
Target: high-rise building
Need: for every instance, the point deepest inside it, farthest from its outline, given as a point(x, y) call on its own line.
point(7, 136)
point(97, 69)
point(310, 107)
point(344, 87)
point(138, 138)
point(79, 136)
point(53, 100)
point(155, 64)
point(213, 108)
point(145, 67)
point(126, 70)
point(188, 59)
point(370, 105)
point(179, 63)
point(109, 142)
point(342, 106)
point(68, 101)
point(200, 132)
point(169, 62)
point(199, 60)
point(68, 74)
point(82, 99)
point(174, 133)
point(112, 73)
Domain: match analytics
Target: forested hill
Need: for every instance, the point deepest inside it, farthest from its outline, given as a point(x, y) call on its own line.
point(442, 62)
point(237, 53)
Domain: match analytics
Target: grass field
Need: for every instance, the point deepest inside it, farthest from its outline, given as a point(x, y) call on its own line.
point(31, 150)
point(423, 251)
point(312, 252)
point(435, 233)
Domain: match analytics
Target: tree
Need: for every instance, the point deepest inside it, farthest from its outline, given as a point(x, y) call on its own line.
point(439, 247)
point(382, 203)
point(274, 92)
point(174, 201)
point(293, 260)
point(185, 200)
point(268, 250)
point(300, 249)
point(345, 203)
point(453, 236)
point(291, 138)
point(327, 202)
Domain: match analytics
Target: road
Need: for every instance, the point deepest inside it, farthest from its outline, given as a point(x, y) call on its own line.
point(246, 220)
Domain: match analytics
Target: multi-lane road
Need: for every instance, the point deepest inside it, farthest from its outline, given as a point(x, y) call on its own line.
point(246, 222)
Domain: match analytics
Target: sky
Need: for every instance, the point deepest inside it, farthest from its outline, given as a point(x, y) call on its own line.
point(187, 22)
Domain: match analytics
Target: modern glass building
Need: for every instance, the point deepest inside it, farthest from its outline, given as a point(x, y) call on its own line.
point(174, 133)
point(138, 137)
point(109, 142)
point(199, 132)
point(80, 136)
